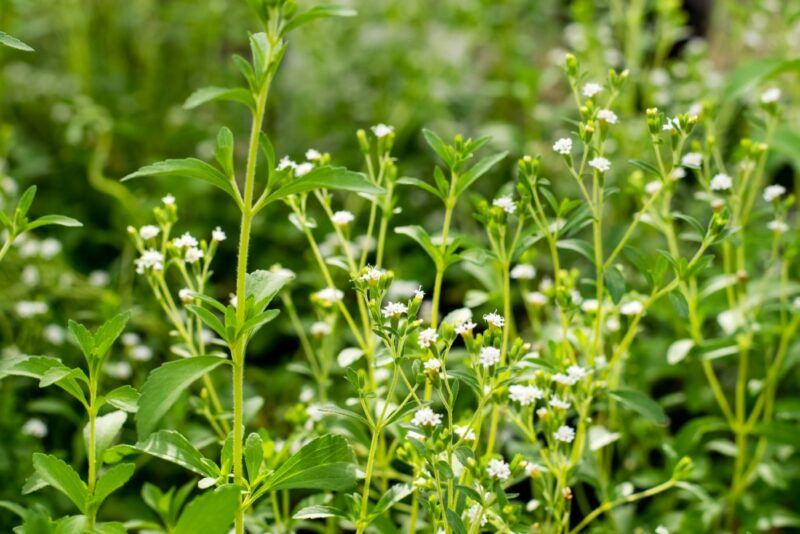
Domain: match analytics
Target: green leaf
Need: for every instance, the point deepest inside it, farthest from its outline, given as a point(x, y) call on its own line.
point(173, 447)
point(318, 511)
point(640, 403)
point(745, 78)
point(25, 201)
point(106, 429)
point(224, 152)
point(421, 236)
point(679, 303)
point(455, 523)
point(209, 319)
point(13, 42)
point(316, 12)
point(82, 337)
point(252, 325)
point(326, 178)
point(325, 463)
point(107, 334)
point(393, 495)
point(37, 367)
point(58, 220)
point(210, 94)
point(189, 168)
point(576, 245)
point(210, 513)
point(615, 282)
point(438, 146)
point(110, 481)
point(253, 455)
point(124, 398)
point(416, 182)
point(478, 170)
point(165, 384)
point(262, 286)
point(63, 477)
point(645, 166)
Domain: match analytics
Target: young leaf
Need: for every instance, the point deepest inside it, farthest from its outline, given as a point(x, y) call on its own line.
point(107, 334)
point(190, 168)
point(63, 477)
point(406, 180)
point(37, 367)
point(82, 337)
point(110, 481)
point(615, 282)
point(393, 495)
point(641, 403)
point(326, 178)
point(209, 94)
point(25, 201)
point(165, 384)
point(58, 220)
point(478, 170)
point(420, 235)
point(438, 146)
point(13, 42)
point(253, 455)
point(326, 463)
point(646, 167)
point(210, 513)
point(173, 447)
point(106, 429)
point(316, 12)
point(263, 285)
point(209, 319)
point(124, 398)
point(224, 151)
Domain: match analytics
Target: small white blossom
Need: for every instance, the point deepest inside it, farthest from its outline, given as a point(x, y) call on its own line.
point(329, 294)
point(590, 305)
point(600, 163)
point(28, 308)
point(678, 173)
point(141, 353)
point(465, 432)
point(382, 130)
point(427, 337)
point(320, 329)
point(566, 380)
point(590, 89)
point(465, 328)
point(506, 204)
point(186, 295)
point(525, 395)
point(577, 372)
point(632, 307)
point(536, 298)
point(373, 274)
point(286, 163)
point(778, 226)
point(606, 115)
point(563, 146)
point(168, 200)
point(693, 160)
point(565, 433)
point(98, 278)
point(187, 240)
point(721, 182)
point(419, 294)
point(35, 428)
point(193, 254)
point(661, 529)
point(651, 188)
point(218, 235)
point(771, 95)
point(313, 154)
point(498, 469)
point(130, 339)
point(426, 417)
point(490, 356)
point(149, 231)
point(394, 309)
point(49, 248)
point(119, 370)
point(434, 365)
point(475, 511)
point(774, 192)
point(558, 403)
point(302, 169)
point(342, 217)
point(54, 334)
point(523, 271)
point(494, 319)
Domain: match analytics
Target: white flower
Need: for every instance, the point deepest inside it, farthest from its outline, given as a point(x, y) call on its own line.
point(536, 298)
point(506, 204)
point(494, 319)
point(286, 163)
point(329, 294)
point(434, 365)
point(561, 378)
point(54, 334)
point(382, 130)
point(778, 226)
point(465, 328)
point(49, 248)
point(730, 320)
point(606, 115)
point(498, 469)
point(523, 271)
point(721, 182)
point(303, 169)
point(98, 278)
point(565, 433)
point(394, 309)
point(576, 372)
point(661, 529)
point(373, 274)
point(28, 308)
point(168, 200)
point(185, 295)
point(313, 155)
point(149, 231)
point(558, 403)
point(118, 370)
point(612, 324)
point(130, 339)
point(218, 235)
point(427, 337)
point(426, 417)
point(320, 329)
point(692, 159)
point(141, 353)
point(489, 356)
point(678, 173)
point(186, 240)
point(590, 305)
point(342, 217)
point(632, 307)
point(774, 192)
point(563, 146)
point(415, 435)
point(653, 187)
point(771, 95)
point(465, 432)
point(193, 254)
point(234, 300)
point(475, 511)
point(419, 294)
point(525, 395)
point(590, 89)
point(36, 428)
point(600, 163)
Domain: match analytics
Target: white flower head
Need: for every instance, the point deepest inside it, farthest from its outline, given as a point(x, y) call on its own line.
point(661, 529)
point(465, 328)
point(329, 295)
point(426, 417)
point(591, 89)
point(523, 271)
point(489, 357)
point(313, 154)
point(576, 372)
point(193, 255)
point(141, 353)
point(433, 365)
point(494, 319)
point(632, 307)
point(536, 298)
point(187, 240)
point(563, 146)
point(186, 295)
point(651, 188)
point(301, 169)
point(342, 218)
point(149, 231)
point(506, 203)
point(590, 305)
point(692, 160)
point(564, 379)
point(607, 116)
point(565, 433)
point(525, 395)
point(771, 95)
point(778, 226)
point(600, 163)
point(678, 173)
point(218, 235)
point(372, 274)
point(54, 334)
point(774, 192)
point(286, 163)
point(382, 130)
point(320, 329)
point(465, 432)
point(394, 309)
point(721, 182)
point(428, 337)
point(558, 403)
point(168, 200)
point(498, 469)
point(419, 294)
point(35, 428)
point(150, 259)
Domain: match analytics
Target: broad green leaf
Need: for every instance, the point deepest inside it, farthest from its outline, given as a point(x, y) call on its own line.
point(124, 398)
point(615, 282)
point(316, 12)
point(262, 286)
point(63, 477)
point(165, 384)
point(189, 168)
point(82, 337)
point(576, 245)
point(438, 146)
point(326, 178)
point(640, 403)
point(421, 236)
point(406, 180)
point(209, 319)
point(478, 170)
point(325, 463)
point(210, 513)
point(110, 481)
point(393, 495)
point(58, 220)
point(253, 455)
point(209, 94)
point(105, 336)
point(224, 152)
point(106, 429)
point(173, 447)
point(318, 511)
point(746, 78)
point(37, 367)
point(455, 522)
point(13, 42)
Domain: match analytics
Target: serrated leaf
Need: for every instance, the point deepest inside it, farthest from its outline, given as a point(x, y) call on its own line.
point(173, 446)
point(262, 286)
point(186, 168)
point(210, 513)
point(62, 477)
point(124, 398)
point(325, 463)
point(37, 367)
point(640, 403)
point(110, 481)
point(478, 170)
point(106, 429)
point(107, 334)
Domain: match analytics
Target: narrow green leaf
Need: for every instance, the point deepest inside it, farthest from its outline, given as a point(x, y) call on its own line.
point(210, 513)
point(224, 151)
point(316, 12)
point(640, 403)
point(392, 496)
point(173, 447)
point(455, 523)
point(13, 42)
point(615, 281)
point(262, 286)
point(325, 463)
point(63, 477)
point(110, 481)
point(107, 334)
point(416, 182)
point(25, 201)
point(577, 245)
point(421, 236)
point(58, 220)
point(209, 319)
point(165, 384)
point(189, 168)
point(318, 511)
point(37, 367)
point(438, 146)
point(253, 455)
point(745, 78)
point(124, 398)
point(326, 178)
point(649, 168)
point(478, 170)
point(82, 337)
point(210, 94)
point(106, 429)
